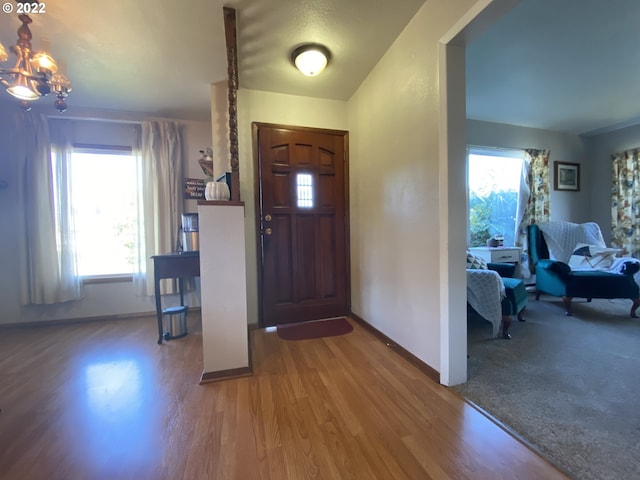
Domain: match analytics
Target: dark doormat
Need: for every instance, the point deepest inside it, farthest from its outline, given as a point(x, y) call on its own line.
point(314, 329)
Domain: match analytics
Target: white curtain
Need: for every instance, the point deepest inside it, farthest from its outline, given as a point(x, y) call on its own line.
point(161, 158)
point(47, 259)
point(143, 262)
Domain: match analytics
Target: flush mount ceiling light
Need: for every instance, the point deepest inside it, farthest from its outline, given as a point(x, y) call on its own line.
point(310, 58)
point(35, 74)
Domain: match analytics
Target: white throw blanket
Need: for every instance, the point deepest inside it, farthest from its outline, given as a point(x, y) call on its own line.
point(563, 237)
point(485, 292)
point(618, 266)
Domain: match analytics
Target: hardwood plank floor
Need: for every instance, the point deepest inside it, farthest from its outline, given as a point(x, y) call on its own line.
point(101, 400)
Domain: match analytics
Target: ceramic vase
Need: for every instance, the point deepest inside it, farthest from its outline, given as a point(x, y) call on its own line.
point(216, 191)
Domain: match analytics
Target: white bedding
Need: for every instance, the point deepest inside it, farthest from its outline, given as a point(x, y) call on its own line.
point(485, 292)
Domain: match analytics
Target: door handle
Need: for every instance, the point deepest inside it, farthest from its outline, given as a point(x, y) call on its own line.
point(268, 231)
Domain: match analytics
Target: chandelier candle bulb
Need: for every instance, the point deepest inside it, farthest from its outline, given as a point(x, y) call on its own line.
point(44, 63)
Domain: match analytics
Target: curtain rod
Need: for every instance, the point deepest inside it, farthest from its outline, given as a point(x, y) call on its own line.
point(96, 119)
point(495, 148)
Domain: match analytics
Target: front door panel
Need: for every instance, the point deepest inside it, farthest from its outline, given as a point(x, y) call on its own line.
point(303, 244)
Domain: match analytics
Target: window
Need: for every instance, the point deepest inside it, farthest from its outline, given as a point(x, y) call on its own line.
point(103, 188)
point(494, 178)
point(304, 184)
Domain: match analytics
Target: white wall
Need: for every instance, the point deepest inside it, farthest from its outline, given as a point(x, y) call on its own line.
point(266, 107)
point(600, 149)
point(224, 299)
point(99, 299)
point(565, 206)
point(394, 120)
point(8, 219)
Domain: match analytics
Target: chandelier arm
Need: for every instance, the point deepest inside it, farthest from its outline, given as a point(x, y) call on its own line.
point(9, 71)
point(24, 73)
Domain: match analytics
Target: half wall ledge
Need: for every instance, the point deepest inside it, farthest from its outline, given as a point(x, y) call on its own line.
point(229, 203)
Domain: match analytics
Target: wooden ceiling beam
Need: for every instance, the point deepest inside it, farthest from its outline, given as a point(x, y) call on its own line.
point(232, 90)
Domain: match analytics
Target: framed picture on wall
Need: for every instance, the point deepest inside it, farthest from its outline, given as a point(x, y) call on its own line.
point(566, 176)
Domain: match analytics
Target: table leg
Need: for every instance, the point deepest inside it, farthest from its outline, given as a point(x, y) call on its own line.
point(158, 308)
point(181, 289)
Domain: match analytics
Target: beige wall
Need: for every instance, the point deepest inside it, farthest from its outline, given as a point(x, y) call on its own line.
point(394, 119)
point(266, 107)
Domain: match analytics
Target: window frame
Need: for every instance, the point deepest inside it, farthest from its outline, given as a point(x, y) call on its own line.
point(102, 149)
point(305, 192)
point(488, 151)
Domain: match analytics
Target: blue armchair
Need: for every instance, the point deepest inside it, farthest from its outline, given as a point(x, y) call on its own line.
point(556, 278)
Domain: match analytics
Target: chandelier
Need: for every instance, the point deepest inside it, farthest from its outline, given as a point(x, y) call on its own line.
point(35, 74)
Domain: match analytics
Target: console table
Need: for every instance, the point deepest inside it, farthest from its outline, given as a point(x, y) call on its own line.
point(497, 254)
point(178, 265)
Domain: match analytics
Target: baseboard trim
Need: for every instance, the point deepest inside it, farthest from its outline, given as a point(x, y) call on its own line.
point(98, 318)
point(211, 377)
point(404, 353)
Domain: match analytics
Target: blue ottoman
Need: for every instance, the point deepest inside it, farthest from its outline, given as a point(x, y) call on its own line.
point(513, 304)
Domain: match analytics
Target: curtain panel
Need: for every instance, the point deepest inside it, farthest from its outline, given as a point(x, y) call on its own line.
point(625, 202)
point(48, 271)
point(162, 203)
point(534, 207)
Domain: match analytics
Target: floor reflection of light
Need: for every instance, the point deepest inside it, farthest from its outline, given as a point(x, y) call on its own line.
point(117, 423)
point(270, 329)
point(114, 387)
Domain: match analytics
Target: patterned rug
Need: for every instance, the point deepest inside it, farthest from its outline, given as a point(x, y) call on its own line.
point(314, 329)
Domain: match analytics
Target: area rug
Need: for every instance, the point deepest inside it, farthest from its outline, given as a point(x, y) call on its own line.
point(569, 386)
point(314, 329)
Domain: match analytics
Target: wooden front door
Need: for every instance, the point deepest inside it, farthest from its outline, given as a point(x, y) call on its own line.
point(302, 223)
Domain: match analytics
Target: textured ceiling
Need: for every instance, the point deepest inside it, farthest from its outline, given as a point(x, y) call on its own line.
point(563, 65)
point(160, 56)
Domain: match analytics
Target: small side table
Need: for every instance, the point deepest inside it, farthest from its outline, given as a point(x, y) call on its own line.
point(497, 254)
point(173, 265)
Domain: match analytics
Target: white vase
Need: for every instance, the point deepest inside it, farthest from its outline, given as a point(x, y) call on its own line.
point(216, 191)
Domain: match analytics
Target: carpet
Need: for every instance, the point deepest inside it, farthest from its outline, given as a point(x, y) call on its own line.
point(314, 329)
point(569, 386)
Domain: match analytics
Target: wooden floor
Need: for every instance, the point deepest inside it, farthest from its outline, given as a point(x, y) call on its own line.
point(104, 401)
